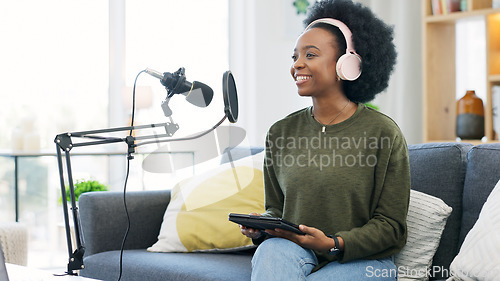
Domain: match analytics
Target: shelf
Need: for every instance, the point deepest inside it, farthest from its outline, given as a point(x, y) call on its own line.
point(439, 69)
point(453, 17)
point(495, 78)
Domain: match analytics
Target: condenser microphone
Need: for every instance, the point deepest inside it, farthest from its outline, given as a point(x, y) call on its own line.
point(196, 93)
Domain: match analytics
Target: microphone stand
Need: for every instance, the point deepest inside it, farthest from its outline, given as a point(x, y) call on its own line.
point(65, 144)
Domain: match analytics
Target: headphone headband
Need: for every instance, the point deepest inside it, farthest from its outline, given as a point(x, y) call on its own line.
point(343, 28)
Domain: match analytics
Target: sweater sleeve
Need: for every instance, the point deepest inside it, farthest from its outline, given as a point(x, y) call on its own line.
point(385, 233)
point(273, 193)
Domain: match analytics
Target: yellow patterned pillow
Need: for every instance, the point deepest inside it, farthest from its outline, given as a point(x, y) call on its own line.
point(196, 218)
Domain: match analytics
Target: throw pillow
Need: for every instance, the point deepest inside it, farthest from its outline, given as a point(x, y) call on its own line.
point(479, 256)
point(196, 219)
point(426, 219)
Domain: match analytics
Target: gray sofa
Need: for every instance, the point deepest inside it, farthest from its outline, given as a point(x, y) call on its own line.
point(461, 174)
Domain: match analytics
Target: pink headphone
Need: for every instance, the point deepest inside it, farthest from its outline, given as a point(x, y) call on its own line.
point(349, 64)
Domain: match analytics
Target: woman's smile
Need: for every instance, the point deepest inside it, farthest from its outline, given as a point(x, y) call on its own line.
point(301, 79)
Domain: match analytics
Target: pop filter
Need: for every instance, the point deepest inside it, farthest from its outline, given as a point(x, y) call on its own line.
point(230, 97)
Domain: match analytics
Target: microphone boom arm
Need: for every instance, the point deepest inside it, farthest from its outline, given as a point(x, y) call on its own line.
point(65, 144)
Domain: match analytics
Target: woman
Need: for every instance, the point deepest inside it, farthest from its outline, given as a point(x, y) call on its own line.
point(339, 169)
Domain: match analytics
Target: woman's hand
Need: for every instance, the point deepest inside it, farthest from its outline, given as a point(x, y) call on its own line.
point(313, 239)
point(251, 232)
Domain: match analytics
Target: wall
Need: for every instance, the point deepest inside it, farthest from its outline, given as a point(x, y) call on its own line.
point(262, 37)
point(403, 98)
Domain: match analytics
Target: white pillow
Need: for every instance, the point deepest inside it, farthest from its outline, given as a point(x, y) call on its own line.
point(479, 256)
point(196, 219)
point(426, 219)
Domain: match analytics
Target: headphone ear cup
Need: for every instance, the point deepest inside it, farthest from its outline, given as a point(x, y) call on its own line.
point(349, 67)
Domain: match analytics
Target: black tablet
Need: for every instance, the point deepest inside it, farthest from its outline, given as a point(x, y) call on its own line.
point(262, 223)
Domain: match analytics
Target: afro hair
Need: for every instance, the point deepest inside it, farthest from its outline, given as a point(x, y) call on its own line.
point(372, 39)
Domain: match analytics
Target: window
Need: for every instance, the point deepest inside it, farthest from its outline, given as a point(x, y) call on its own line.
point(55, 77)
point(54, 70)
point(167, 35)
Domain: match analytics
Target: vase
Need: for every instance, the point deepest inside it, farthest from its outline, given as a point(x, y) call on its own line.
point(470, 116)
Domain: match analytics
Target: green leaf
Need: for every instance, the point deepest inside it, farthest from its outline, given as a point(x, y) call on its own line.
point(372, 106)
point(301, 6)
point(82, 186)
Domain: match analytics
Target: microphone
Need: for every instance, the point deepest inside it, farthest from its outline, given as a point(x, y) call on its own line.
point(196, 93)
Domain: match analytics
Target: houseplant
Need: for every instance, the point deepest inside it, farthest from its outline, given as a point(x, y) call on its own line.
point(82, 186)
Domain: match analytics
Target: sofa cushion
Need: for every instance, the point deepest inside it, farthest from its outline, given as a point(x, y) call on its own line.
point(104, 221)
point(483, 171)
point(196, 218)
point(438, 169)
point(143, 265)
point(426, 220)
point(479, 255)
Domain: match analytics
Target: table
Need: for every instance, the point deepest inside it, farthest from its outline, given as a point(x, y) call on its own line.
point(22, 273)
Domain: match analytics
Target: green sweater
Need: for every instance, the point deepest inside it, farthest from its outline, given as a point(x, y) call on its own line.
point(353, 180)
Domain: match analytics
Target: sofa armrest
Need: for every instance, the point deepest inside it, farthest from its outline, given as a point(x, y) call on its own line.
point(104, 221)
